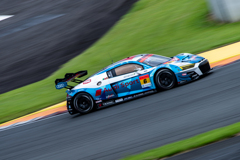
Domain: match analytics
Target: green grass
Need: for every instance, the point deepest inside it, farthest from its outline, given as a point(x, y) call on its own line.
point(187, 144)
point(165, 27)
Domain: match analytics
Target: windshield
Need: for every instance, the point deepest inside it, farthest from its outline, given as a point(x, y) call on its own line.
point(156, 60)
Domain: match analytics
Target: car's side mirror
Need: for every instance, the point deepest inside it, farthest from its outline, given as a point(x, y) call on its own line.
point(139, 72)
point(138, 69)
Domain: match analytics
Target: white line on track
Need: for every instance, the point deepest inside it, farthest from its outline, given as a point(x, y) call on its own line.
point(27, 23)
point(3, 17)
point(28, 122)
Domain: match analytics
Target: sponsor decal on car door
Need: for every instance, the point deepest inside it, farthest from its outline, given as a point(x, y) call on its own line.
point(126, 86)
point(126, 83)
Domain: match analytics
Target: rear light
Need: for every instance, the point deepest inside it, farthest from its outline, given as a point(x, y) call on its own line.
point(68, 96)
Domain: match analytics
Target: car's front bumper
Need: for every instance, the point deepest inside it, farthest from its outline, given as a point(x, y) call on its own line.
point(195, 72)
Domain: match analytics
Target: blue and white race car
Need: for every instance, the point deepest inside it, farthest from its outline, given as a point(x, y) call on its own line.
point(132, 77)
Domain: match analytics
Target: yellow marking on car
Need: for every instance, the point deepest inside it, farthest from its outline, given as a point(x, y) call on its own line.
point(187, 66)
point(145, 81)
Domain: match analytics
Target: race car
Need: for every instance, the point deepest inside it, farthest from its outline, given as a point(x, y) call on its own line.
point(129, 78)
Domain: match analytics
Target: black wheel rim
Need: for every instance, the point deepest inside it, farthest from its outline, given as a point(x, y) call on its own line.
point(166, 80)
point(84, 103)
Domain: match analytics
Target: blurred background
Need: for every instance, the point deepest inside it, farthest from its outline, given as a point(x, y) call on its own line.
point(43, 35)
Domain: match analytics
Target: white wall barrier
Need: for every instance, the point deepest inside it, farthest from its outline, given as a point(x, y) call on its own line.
point(225, 10)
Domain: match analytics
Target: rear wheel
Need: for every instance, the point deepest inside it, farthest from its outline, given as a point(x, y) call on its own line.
point(165, 79)
point(83, 103)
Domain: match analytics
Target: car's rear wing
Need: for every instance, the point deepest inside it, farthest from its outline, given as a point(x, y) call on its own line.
point(62, 83)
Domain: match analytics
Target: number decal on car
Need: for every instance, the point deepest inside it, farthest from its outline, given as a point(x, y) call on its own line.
point(145, 81)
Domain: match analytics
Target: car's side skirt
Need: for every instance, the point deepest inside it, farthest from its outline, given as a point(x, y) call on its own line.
point(105, 103)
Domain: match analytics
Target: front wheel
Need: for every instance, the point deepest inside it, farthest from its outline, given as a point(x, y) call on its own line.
point(165, 79)
point(83, 103)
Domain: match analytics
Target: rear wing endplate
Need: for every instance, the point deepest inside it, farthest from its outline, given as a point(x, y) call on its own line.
point(62, 83)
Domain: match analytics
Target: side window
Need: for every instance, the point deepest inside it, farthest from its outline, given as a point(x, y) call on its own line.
point(128, 68)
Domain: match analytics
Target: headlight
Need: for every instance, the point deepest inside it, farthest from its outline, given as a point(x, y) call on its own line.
point(187, 66)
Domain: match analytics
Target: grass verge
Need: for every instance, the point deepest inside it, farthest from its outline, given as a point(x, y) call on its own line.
point(187, 144)
point(163, 27)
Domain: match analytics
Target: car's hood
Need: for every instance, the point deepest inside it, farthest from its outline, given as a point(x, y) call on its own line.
point(184, 59)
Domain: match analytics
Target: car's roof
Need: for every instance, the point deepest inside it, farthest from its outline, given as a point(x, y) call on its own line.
point(132, 58)
point(128, 59)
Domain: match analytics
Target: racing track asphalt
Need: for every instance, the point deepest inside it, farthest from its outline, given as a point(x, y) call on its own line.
point(134, 126)
point(44, 34)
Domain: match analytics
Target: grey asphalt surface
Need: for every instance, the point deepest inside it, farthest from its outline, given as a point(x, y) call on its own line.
point(131, 127)
point(44, 34)
point(224, 150)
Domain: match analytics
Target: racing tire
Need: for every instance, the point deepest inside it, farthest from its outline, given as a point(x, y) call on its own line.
point(165, 79)
point(83, 103)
